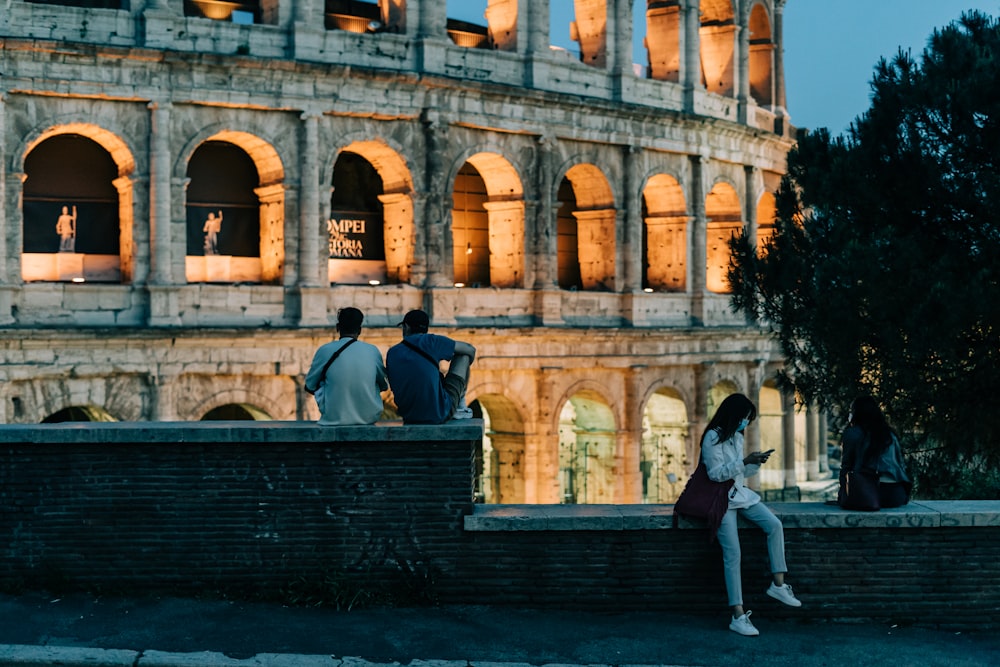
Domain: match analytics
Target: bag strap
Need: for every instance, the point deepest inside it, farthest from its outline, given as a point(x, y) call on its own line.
point(332, 359)
point(422, 354)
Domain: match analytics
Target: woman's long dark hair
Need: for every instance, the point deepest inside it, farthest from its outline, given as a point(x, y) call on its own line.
point(729, 415)
point(869, 418)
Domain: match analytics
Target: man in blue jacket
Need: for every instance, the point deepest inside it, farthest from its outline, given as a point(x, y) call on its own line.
point(423, 395)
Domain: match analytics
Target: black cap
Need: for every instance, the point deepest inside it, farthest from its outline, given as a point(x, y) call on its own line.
point(416, 320)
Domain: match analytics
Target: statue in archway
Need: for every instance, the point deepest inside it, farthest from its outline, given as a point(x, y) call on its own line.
point(66, 229)
point(212, 228)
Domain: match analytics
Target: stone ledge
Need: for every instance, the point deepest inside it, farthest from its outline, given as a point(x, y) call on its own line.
point(917, 514)
point(245, 432)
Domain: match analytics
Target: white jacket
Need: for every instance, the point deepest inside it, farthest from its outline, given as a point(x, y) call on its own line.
point(724, 460)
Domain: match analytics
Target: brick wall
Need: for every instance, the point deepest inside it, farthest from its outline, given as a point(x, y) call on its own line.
point(383, 514)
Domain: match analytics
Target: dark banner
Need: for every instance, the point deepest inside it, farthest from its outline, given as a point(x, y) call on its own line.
point(223, 230)
point(353, 235)
point(84, 227)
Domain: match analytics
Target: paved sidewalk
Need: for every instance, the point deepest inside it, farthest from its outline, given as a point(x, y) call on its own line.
point(168, 632)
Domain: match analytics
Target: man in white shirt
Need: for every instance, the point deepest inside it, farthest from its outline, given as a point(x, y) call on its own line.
point(347, 375)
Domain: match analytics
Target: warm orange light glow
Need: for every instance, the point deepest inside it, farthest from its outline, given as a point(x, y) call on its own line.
point(459, 284)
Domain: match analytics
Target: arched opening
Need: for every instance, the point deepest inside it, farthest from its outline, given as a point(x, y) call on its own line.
point(355, 228)
point(79, 413)
point(664, 211)
point(663, 39)
point(397, 206)
point(483, 24)
point(761, 57)
point(500, 452)
point(663, 459)
point(245, 12)
point(724, 221)
point(585, 223)
point(586, 450)
point(371, 17)
point(717, 37)
point(766, 214)
point(73, 200)
point(236, 412)
point(223, 229)
point(487, 220)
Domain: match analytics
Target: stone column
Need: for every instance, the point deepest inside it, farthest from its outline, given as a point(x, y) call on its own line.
point(303, 12)
point(163, 304)
point(698, 241)
point(159, 193)
point(788, 438)
point(779, 67)
point(691, 56)
point(536, 24)
point(433, 18)
point(506, 243)
point(824, 438)
point(433, 249)
point(312, 286)
point(812, 442)
point(742, 37)
point(509, 448)
point(631, 242)
point(595, 231)
point(7, 282)
point(630, 437)
point(546, 269)
point(621, 34)
point(699, 411)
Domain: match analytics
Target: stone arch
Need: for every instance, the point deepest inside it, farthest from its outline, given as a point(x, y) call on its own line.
point(766, 215)
point(587, 428)
point(761, 66)
point(724, 219)
point(491, 235)
point(122, 396)
point(79, 413)
point(397, 202)
point(270, 193)
point(197, 395)
point(500, 453)
point(663, 39)
point(665, 217)
point(587, 233)
point(717, 37)
point(665, 436)
point(121, 155)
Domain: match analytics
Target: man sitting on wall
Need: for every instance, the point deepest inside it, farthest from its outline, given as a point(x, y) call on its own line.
point(422, 395)
point(347, 375)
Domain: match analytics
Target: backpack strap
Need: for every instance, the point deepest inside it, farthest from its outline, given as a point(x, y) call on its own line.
point(333, 358)
point(422, 354)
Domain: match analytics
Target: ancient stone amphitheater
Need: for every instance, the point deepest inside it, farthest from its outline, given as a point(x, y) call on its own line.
point(192, 188)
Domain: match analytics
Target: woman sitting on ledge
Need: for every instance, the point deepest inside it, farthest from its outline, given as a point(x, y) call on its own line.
point(869, 437)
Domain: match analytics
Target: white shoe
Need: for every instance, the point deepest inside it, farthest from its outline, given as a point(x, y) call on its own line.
point(784, 594)
point(743, 626)
point(462, 413)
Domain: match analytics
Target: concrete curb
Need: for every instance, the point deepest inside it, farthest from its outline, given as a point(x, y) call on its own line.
point(18, 655)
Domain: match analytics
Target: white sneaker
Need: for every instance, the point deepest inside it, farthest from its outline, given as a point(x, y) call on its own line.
point(462, 411)
point(743, 626)
point(784, 594)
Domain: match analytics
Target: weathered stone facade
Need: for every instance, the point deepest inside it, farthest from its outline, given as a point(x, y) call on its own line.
point(603, 324)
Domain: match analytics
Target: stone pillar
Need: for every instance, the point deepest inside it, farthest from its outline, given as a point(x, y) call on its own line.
point(788, 438)
point(393, 15)
point(631, 242)
point(162, 408)
point(698, 241)
point(506, 243)
point(312, 274)
point(779, 68)
point(510, 449)
point(501, 21)
point(824, 439)
point(397, 213)
point(691, 56)
point(7, 282)
point(812, 442)
point(163, 304)
point(536, 24)
point(699, 412)
point(595, 232)
point(433, 18)
point(433, 251)
point(621, 35)
point(304, 12)
point(545, 248)
point(742, 37)
point(664, 41)
point(630, 438)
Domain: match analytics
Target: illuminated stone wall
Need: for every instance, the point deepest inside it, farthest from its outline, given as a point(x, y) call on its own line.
point(662, 163)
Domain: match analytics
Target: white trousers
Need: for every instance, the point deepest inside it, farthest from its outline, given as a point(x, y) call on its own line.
point(729, 540)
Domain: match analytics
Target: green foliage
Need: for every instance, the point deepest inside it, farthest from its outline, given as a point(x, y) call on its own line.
point(882, 275)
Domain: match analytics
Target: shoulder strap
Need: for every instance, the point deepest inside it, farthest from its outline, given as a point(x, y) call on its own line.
point(332, 359)
point(421, 353)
